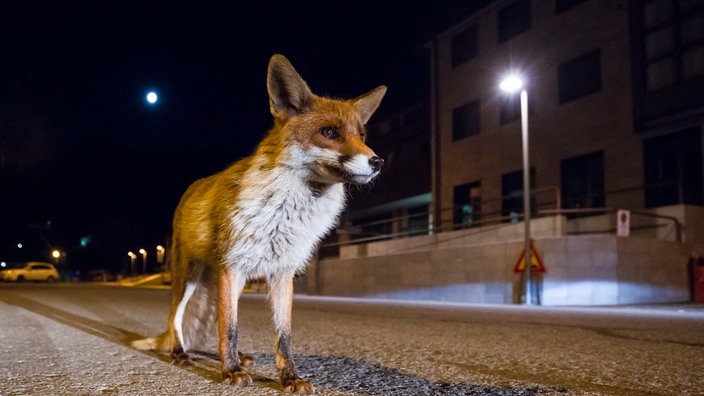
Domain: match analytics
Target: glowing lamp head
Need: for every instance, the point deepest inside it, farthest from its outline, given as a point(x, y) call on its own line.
point(512, 83)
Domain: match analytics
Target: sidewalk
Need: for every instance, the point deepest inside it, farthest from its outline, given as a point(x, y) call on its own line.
point(685, 308)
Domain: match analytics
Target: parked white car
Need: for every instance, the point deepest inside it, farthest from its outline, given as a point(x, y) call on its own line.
point(33, 271)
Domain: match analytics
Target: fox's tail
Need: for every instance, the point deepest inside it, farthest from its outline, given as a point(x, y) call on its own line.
point(159, 343)
point(192, 320)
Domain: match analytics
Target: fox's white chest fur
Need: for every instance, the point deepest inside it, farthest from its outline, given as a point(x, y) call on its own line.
point(279, 220)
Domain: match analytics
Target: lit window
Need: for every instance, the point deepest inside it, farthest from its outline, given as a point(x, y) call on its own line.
point(512, 194)
point(467, 199)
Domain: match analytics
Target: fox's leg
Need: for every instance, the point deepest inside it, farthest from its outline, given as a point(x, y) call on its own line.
point(181, 292)
point(230, 287)
point(281, 297)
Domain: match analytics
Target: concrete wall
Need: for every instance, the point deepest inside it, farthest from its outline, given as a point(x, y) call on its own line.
point(476, 266)
point(605, 269)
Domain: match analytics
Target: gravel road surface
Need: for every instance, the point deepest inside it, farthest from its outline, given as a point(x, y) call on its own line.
point(74, 339)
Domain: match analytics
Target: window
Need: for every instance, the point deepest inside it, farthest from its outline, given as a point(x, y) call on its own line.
point(673, 49)
point(418, 221)
point(580, 77)
point(465, 120)
point(380, 226)
point(467, 199)
point(564, 5)
point(513, 20)
point(582, 181)
point(512, 194)
point(464, 46)
point(673, 169)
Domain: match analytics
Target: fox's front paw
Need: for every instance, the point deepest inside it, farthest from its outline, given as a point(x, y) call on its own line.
point(237, 378)
point(299, 386)
point(180, 358)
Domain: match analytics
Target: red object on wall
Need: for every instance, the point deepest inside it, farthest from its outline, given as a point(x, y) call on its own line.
point(696, 273)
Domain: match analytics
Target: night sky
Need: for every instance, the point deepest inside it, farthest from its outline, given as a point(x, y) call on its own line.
point(83, 155)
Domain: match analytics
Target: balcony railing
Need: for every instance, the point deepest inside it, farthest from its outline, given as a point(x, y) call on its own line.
point(582, 221)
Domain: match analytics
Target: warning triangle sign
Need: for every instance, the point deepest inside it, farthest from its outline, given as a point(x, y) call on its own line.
point(536, 264)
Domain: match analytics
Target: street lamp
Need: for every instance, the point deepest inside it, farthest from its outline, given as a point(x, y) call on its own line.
point(132, 258)
point(56, 255)
point(512, 84)
point(144, 260)
point(160, 256)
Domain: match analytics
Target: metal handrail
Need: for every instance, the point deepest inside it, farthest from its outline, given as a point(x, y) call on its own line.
point(674, 220)
point(483, 220)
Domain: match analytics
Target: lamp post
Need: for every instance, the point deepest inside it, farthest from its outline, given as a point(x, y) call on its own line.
point(160, 256)
point(132, 258)
point(56, 255)
point(513, 84)
point(144, 260)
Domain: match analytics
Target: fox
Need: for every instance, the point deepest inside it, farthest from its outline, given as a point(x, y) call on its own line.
point(264, 216)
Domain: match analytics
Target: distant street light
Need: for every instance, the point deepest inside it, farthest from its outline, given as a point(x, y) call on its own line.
point(132, 258)
point(144, 260)
point(160, 256)
point(512, 84)
point(56, 255)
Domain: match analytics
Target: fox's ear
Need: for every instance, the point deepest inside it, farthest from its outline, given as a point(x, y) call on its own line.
point(288, 93)
point(368, 103)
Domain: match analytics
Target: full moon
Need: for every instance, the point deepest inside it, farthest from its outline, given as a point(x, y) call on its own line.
point(151, 97)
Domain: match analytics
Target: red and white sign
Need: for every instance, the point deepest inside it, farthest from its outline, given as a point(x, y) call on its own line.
point(536, 264)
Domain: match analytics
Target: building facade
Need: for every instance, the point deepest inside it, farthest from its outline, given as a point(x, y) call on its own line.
point(616, 118)
point(616, 100)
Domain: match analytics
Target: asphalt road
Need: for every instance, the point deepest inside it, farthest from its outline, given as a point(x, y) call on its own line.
point(74, 339)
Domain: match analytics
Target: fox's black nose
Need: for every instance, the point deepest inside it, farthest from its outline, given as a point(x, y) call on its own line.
point(376, 163)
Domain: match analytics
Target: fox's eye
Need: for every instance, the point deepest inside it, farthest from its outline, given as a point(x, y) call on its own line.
point(329, 132)
point(363, 136)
